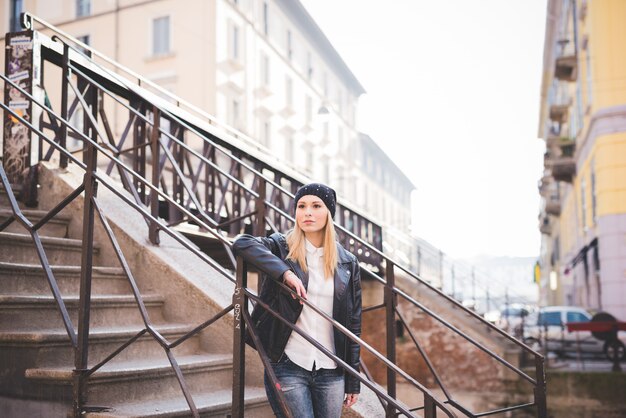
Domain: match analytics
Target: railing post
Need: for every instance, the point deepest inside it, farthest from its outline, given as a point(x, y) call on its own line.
point(65, 71)
point(154, 196)
point(391, 301)
point(237, 201)
point(259, 227)
point(240, 303)
point(430, 408)
point(540, 388)
point(82, 351)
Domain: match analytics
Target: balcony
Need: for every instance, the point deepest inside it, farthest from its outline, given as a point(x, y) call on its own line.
point(553, 140)
point(562, 164)
point(558, 113)
point(565, 68)
point(553, 205)
point(564, 169)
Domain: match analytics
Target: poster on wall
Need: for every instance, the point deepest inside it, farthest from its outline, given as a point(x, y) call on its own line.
point(19, 152)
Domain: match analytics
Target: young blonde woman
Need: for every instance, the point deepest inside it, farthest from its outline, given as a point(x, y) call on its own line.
point(309, 260)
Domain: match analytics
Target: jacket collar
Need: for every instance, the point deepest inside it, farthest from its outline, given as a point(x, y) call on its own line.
point(343, 255)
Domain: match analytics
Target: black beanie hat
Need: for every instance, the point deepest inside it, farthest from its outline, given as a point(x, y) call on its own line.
point(328, 195)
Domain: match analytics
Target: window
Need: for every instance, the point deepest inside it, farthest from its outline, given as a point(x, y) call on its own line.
point(161, 35)
point(589, 80)
point(289, 148)
point(17, 7)
point(309, 65)
point(583, 202)
point(265, 132)
point(86, 40)
point(234, 49)
point(289, 45)
point(288, 92)
point(308, 106)
point(549, 318)
point(577, 317)
point(234, 114)
point(594, 213)
point(83, 8)
point(266, 19)
point(265, 70)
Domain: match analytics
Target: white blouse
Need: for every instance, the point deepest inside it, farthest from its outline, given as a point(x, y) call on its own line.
point(320, 292)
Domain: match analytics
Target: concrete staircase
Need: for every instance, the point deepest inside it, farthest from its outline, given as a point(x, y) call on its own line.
point(36, 357)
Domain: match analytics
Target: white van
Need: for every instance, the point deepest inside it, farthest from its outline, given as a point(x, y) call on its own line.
point(548, 326)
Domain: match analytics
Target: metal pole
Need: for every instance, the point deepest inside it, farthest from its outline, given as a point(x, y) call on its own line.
point(430, 409)
point(65, 72)
point(419, 261)
point(474, 287)
point(82, 351)
point(453, 287)
point(441, 268)
point(240, 303)
point(540, 388)
point(154, 197)
point(259, 229)
point(506, 306)
point(391, 301)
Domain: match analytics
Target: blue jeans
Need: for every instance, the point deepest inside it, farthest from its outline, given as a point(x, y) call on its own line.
point(309, 394)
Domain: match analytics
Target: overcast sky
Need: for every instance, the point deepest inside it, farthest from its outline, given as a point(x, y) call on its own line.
point(453, 97)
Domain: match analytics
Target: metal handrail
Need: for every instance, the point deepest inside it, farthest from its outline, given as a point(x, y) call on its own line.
point(155, 191)
point(385, 257)
point(149, 328)
point(366, 244)
point(27, 21)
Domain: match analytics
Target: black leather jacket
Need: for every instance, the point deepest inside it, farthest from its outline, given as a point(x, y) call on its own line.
point(269, 256)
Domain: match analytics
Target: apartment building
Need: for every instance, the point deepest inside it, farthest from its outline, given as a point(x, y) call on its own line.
point(583, 123)
point(261, 67)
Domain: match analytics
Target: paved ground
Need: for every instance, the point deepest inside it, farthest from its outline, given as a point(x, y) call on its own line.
point(593, 364)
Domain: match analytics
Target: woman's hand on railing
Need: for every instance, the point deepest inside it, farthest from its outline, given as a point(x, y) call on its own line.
point(351, 399)
point(291, 280)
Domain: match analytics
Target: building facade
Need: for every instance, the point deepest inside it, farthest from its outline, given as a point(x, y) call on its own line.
point(386, 193)
point(583, 189)
point(263, 69)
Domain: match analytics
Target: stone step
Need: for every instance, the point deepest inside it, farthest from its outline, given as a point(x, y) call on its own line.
point(210, 404)
point(55, 227)
point(18, 312)
point(4, 198)
point(208, 244)
point(142, 379)
point(29, 279)
point(20, 248)
point(52, 347)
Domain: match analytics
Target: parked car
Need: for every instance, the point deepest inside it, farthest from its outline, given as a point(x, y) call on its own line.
point(548, 327)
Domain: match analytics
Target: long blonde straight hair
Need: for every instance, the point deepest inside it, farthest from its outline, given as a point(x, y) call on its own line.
point(297, 247)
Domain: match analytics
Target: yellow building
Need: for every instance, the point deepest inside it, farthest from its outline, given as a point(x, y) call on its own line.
point(583, 122)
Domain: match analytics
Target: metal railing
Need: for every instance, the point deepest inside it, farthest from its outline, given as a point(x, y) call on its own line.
point(223, 194)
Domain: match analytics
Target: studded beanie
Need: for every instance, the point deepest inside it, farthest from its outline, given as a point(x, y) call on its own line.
point(328, 195)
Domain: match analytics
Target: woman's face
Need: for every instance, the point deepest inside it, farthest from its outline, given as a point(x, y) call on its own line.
point(311, 214)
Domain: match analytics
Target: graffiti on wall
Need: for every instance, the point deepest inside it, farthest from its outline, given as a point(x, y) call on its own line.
point(16, 147)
